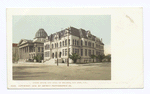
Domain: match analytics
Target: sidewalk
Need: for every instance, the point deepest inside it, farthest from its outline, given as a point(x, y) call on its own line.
point(37, 63)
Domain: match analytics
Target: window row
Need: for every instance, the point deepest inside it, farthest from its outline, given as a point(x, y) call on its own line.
point(32, 49)
point(65, 52)
point(87, 52)
point(63, 43)
point(76, 43)
point(25, 49)
point(97, 46)
point(40, 49)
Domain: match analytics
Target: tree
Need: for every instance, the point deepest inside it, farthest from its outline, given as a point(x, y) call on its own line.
point(15, 58)
point(93, 56)
point(101, 57)
point(74, 57)
point(38, 58)
point(108, 57)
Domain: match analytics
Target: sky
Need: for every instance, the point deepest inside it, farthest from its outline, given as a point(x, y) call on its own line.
point(25, 27)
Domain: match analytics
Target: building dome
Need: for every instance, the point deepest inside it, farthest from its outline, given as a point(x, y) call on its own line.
point(41, 33)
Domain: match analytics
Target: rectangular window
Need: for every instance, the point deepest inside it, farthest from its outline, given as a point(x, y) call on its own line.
point(77, 43)
point(81, 52)
point(93, 52)
point(42, 49)
point(76, 50)
point(93, 44)
point(81, 42)
point(85, 43)
point(63, 43)
point(47, 54)
point(89, 52)
point(55, 45)
point(89, 44)
point(69, 50)
point(85, 52)
point(38, 49)
point(65, 52)
point(52, 45)
point(73, 41)
point(56, 54)
point(69, 41)
point(73, 50)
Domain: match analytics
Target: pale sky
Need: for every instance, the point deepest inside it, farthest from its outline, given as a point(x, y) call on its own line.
point(25, 27)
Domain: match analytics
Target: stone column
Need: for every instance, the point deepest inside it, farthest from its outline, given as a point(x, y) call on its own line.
point(36, 50)
point(28, 51)
point(23, 51)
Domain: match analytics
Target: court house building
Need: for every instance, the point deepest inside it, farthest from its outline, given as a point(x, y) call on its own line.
point(30, 48)
point(80, 41)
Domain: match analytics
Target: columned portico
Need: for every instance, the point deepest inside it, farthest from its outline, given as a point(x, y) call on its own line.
point(30, 48)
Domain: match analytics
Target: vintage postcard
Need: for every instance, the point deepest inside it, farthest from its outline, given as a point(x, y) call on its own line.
point(74, 47)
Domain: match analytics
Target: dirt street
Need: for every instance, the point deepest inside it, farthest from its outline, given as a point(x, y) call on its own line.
point(90, 71)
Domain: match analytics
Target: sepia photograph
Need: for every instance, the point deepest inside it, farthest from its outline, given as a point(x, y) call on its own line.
point(61, 47)
point(74, 48)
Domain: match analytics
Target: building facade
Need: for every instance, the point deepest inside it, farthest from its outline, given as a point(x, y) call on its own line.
point(80, 41)
point(30, 48)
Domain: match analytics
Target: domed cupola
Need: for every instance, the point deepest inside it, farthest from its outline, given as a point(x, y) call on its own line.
point(41, 33)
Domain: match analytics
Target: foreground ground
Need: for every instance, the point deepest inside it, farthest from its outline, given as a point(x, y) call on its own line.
point(90, 71)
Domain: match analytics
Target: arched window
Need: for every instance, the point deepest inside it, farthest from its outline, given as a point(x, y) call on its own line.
point(69, 41)
point(73, 41)
point(59, 54)
point(63, 43)
point(52, 45)
point(81, 42)
point(52, 55)
point(60, 44)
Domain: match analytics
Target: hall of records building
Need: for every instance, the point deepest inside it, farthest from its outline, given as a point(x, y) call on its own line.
point(30, 48)
point(79, 41)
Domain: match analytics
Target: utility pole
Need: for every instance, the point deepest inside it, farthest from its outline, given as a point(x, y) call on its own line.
point(57, 48)
point(68, 47)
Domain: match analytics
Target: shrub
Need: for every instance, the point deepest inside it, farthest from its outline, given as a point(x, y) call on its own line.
point(93, 56)
point(38, 58)
point(101, 57)
point(74, 57)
